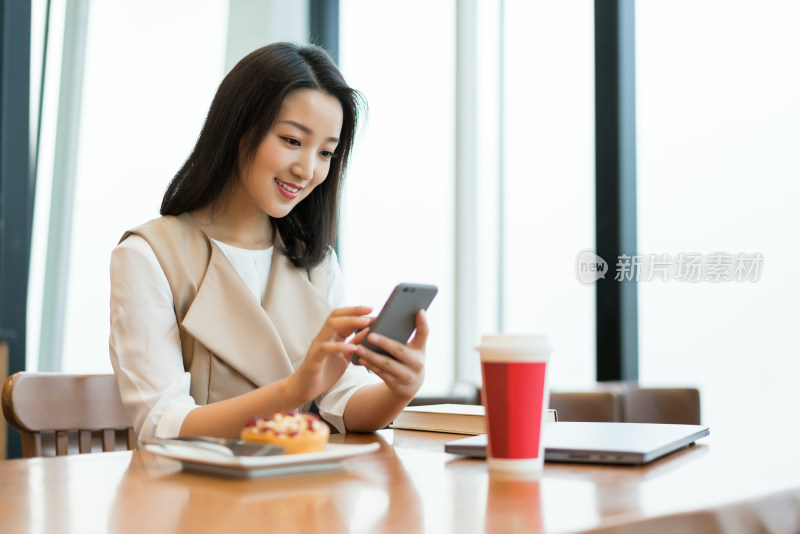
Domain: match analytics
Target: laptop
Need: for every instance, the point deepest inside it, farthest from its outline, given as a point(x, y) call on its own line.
point(602, 443)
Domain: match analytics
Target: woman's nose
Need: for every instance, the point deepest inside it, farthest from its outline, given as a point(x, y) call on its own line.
point(303, 168)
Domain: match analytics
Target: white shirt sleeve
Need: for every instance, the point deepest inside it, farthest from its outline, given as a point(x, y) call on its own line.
point(144, 343)
point(145, 346)
point(332, 404)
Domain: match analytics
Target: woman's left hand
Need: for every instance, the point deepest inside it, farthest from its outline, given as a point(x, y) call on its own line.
point(405, 372)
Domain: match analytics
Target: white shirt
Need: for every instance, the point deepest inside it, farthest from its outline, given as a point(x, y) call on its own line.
point(145, 346)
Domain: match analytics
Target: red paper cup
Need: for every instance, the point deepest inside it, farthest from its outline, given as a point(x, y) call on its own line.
point(515, 395)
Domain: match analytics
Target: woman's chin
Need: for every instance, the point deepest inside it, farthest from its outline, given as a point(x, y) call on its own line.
point(280, 210)
point(278, 214)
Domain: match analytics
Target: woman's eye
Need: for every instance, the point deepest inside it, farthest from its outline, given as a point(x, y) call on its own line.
point(292, 141)
point(328, 154)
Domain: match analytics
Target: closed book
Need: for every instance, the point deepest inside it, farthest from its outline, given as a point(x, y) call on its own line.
point(450, 418)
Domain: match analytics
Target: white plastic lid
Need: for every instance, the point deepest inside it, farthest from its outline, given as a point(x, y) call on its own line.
point(514, 347)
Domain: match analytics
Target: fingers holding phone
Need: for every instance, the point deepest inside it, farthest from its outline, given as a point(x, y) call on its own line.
point(329, 354)
point(420, 338)
point(384, 348)
point(402, 367)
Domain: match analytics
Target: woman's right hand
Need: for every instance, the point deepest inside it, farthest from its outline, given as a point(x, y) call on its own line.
point(329, 354)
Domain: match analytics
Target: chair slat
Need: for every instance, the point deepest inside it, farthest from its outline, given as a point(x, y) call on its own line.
point(31, 444)
point(108, 439)
point(132, 441)
point(84, 441)
point(62, 443)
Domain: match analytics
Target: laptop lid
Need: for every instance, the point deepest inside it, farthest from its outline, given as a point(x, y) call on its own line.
point(606, 443)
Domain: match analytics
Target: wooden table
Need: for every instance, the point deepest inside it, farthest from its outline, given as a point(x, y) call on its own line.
point(409, 485)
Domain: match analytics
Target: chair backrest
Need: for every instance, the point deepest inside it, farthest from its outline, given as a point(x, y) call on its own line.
point(663, 405)
point(59, 414)
point(629, 403)
point(595, 406)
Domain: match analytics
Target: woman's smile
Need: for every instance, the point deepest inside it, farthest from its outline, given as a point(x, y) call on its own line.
point(288, 190)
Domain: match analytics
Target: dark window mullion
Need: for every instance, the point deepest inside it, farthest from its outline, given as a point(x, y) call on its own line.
point(16, 184)
point(615, 212)
point(323, 25)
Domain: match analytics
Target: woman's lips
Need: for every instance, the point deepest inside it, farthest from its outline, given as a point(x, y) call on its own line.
point(288, 190)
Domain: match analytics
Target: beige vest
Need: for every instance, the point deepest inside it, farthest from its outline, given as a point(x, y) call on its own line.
point(230, 343)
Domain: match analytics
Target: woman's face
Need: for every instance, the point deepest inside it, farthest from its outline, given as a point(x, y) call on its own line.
point(296, 154)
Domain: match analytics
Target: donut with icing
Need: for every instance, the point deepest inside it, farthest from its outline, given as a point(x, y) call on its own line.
point(296, 432)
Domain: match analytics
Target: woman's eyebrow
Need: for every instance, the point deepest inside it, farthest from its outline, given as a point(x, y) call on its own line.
point(306, 129)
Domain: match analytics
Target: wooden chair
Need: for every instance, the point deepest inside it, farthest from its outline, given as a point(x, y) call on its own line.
point(605, 402)
point(595, 406)
point(630, 403)
point(662, 405)
point(59, 414)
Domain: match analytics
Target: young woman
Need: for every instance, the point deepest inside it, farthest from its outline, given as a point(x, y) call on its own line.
point(230, 305)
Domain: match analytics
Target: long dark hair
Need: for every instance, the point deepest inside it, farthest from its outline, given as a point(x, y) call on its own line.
point(243, 111)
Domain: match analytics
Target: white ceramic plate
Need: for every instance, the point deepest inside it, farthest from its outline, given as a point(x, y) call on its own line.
point(203, 461)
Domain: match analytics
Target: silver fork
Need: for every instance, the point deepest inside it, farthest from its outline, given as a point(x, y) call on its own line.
point(226, 447)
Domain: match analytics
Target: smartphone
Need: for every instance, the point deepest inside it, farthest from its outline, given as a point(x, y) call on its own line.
point(397, 318)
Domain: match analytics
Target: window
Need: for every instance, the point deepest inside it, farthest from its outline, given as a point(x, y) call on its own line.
point(144, 98)
point(142, 103)
point(549, 174)
point(397, 218)
point(718, 130)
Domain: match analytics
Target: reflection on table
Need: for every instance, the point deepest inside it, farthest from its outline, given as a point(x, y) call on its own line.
point(409, 485)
